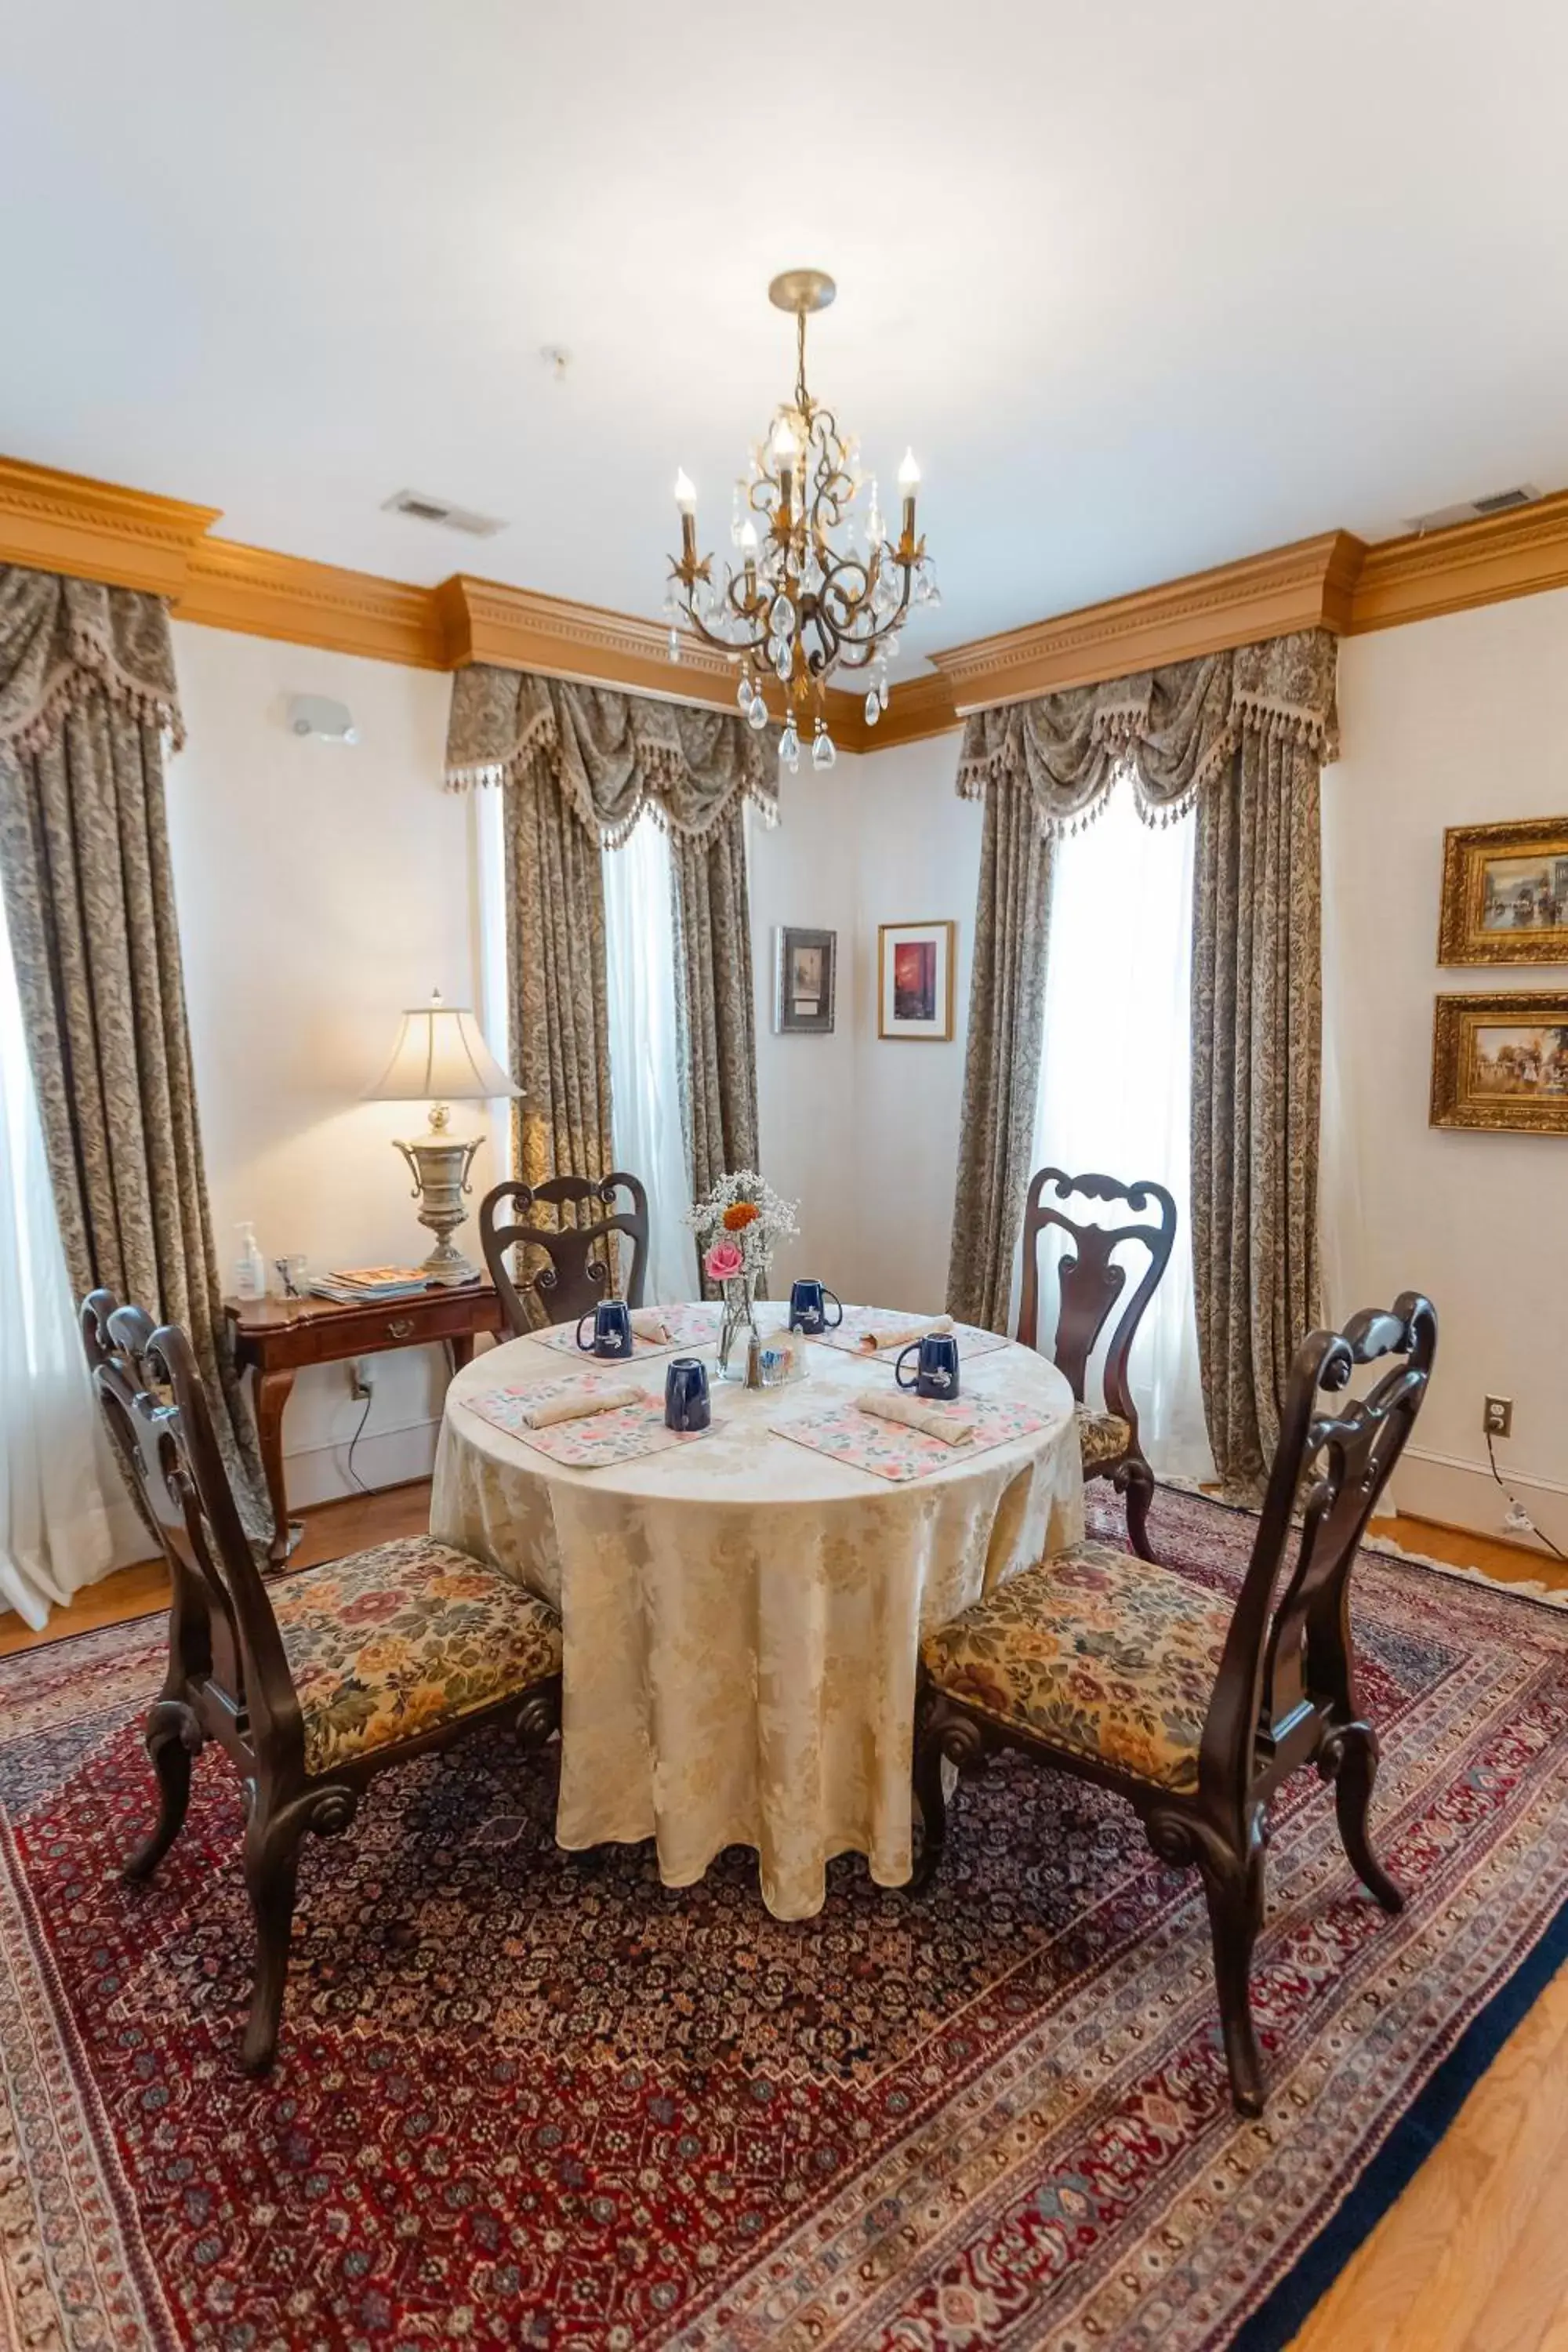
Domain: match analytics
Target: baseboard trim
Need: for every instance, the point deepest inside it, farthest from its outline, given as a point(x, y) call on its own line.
point(1464, 1495)
point(383, 1457)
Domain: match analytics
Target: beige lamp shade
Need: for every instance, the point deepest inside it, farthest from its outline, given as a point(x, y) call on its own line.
point(441, 1057)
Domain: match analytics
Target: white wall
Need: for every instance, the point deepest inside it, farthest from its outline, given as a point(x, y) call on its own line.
point(863, 1131)
point(322, 888)
point(1452, 721)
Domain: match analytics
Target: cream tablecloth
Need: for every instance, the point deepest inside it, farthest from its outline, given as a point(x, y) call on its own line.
point(741, 1615)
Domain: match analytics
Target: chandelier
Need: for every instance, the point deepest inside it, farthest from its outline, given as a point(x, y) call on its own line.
point(815, 583)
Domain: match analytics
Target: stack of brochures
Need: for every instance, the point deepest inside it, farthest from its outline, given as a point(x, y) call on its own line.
point(373, 1286)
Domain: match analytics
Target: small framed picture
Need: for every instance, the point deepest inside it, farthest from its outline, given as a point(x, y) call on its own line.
point(804, 971)
point(1505, 893)
point(914, 979)
point(1501, 1062)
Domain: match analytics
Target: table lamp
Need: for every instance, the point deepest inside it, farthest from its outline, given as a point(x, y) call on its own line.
point(441, 1057)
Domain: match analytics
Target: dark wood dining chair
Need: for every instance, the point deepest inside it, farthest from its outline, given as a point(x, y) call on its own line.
point(1193, 1708)
point(579, 1267)
point(1091, 1279)
point(295, 1677)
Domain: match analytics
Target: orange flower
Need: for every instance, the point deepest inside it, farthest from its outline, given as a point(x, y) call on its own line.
point(739, 1215)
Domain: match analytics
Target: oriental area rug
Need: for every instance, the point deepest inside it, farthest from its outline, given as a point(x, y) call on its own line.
point(529, 2098)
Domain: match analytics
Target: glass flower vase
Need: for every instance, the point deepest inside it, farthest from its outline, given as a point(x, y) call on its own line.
point(738, 1329)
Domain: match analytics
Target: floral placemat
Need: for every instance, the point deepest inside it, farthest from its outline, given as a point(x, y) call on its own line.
point(973, 1340)
point(891, 1450)
point(595, 1441)
point(695, 1325)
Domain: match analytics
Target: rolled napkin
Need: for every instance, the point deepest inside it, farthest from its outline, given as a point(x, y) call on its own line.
point(648, 1323)
point(577, 1405)
point(931, 1421)
point(869, 1341)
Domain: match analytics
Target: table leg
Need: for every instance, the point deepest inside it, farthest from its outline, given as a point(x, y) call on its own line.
point(462, 1348)
point(271, 1395)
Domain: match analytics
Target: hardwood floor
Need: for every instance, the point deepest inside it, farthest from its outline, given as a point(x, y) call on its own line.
point(1474, 2256)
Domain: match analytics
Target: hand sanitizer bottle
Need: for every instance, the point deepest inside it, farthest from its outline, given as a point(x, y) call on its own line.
point(250, 1268)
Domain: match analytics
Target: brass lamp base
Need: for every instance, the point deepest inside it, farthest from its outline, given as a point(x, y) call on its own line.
point(439, 1166)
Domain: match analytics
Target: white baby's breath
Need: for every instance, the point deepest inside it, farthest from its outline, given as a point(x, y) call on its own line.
point(773, 1222)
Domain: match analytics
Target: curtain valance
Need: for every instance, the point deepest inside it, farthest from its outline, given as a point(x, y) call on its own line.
point(1172, 730)
point(65, 640)
point(611, 755)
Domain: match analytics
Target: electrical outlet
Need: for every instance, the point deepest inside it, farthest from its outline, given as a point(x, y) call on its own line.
point(361, 1377)
point(1497, 1417)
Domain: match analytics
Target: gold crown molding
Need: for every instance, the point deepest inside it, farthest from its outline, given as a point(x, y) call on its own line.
point(95, 530)
point(1308, 585)
point(517, 628)
point(98, 530)
point(1518, 554)
point(229, 586)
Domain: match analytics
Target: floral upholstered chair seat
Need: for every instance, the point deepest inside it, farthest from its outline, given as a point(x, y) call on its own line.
point(1101, 1437)
point(394, 1641)
point(1096, 1652)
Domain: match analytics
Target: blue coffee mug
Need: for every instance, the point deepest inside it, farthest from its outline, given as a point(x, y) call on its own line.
point(808, 1304)
point(611, 1321)
point(685, 1402)
point(936, 1372)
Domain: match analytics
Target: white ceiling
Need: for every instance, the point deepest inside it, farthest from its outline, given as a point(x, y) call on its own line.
point(1148, 283)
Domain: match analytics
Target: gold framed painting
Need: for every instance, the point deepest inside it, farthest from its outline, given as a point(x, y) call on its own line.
point(914, 979)
point(1501, 1062)
point(1505, 893)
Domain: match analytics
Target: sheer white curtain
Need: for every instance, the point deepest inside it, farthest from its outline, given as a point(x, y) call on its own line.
point(1115, 1084)
point(64, 1518)
point(644, 1069)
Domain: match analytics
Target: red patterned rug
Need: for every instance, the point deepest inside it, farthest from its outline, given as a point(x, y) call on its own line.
point(531, 2098)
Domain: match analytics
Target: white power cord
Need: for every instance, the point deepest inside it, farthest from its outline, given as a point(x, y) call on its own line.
point(1519, 1521)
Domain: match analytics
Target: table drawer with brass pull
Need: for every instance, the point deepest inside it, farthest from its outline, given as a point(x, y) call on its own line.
point(400, 1326)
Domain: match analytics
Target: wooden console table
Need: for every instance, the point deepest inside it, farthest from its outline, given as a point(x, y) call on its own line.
point(274, 1336)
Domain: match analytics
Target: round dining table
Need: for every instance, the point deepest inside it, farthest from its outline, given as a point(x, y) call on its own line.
point(742, 1614)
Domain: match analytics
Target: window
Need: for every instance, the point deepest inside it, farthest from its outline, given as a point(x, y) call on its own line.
point(1115, 1082)
point(645, 1070)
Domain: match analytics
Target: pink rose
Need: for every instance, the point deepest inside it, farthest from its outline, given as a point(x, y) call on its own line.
point(725, 1261)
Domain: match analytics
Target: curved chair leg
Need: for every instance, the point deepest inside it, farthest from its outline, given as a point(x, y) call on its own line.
point(1134, 1481)
point(174, 1737)
point(1354, 1768)
point(271, 1874)
point(1234, 1887)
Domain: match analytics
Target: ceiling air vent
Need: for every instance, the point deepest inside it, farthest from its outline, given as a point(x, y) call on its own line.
point(424, 510)
point(1496, 502)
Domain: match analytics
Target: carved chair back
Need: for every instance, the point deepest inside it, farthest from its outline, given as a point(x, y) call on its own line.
point(223, 1633)
point(579, 1267)
point(1287, 1664)
point(1091, 1277)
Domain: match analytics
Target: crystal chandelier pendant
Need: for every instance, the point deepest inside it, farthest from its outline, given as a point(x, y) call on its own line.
point(823, 751)
point(757, 716)
point(789, 745)
point(873, 708)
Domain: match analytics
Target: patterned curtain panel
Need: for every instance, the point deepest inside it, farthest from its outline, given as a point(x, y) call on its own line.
point(560, 1017)
point(87, 698)
point(1257, 1010)
point(714, 1003)
point(581, 765)
point(1240, 736)
point(1001, 1060)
